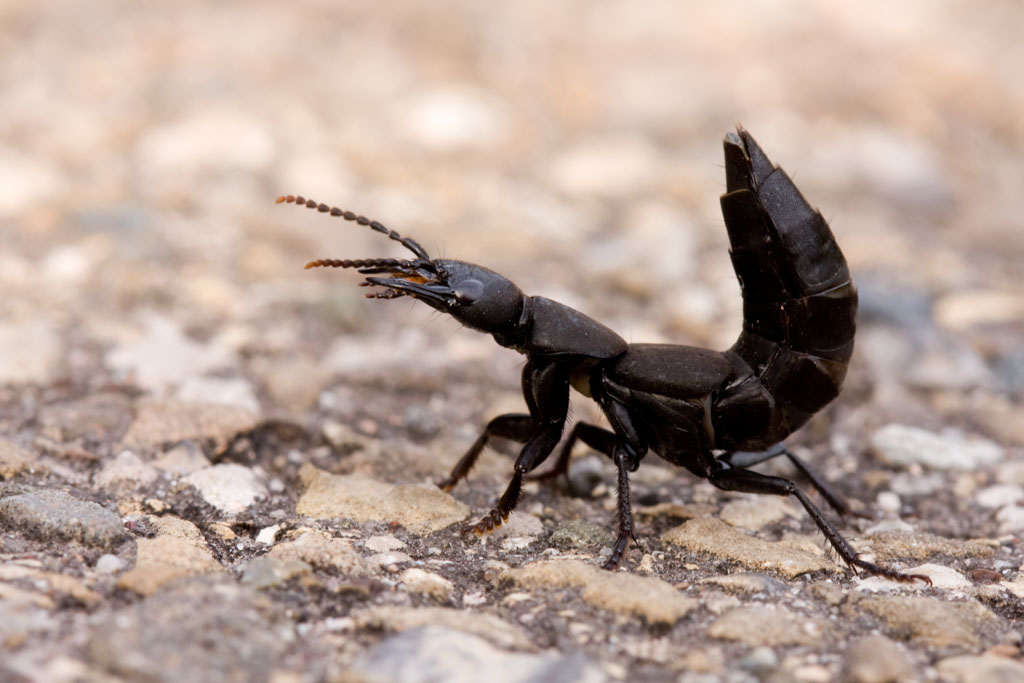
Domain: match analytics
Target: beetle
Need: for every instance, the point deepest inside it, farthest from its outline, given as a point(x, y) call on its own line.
point(714, 413)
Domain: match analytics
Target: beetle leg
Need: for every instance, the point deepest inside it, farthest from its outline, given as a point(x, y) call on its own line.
point(748, 481)
point(598, 438)
point(546, 390)
point(516, 426)
point(625, 462)
point(745, 459)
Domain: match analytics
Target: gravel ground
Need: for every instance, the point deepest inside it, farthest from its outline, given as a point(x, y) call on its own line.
point(215, 466)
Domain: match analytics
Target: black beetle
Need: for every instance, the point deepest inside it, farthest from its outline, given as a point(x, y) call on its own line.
point(714, 413)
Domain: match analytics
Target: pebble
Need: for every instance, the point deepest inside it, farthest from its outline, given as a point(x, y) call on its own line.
point(177, 551)
point(229, 487)
point(760, 661)
point(897, 444)
point(1011, 519)
point(30, 352)
point(577, 533)
point(433, 653)
point(382, 544)
point(321, 550)
point(53, 516)
point(14, 459)
point(221, 632)
point(269, 572)
point(980, 669)
point(608, 168)
point(109, 564)
point(929, 621)
point(492, 628)
point(716, 538)
point(126, 472)
point(229, 391)
point(876, 659)
point(166, 421)
point(649, 598)
point(181, 460)
point(1000, 495)
point(427, 583)
point(754, 512)
point(420, 508)
point(761, 625)
point(451, 117)
point(163, 357)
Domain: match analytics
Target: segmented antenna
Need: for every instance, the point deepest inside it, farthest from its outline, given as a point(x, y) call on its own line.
point(407, 242)
point(377, 265)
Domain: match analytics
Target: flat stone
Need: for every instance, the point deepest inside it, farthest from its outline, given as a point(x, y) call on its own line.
point(577, 533)
point(229, 391)
point(931, 621)
point(900, 546)
point(876, 659)
point(54, 516)
point(754, 512)
point(164, 421)
point(163, 357)
point(321, 550)
point(771, 626)
point(649, 598)
point(426, 583)
point(229, 487)
point(897, 444)
point(203, 631)
point(489, 627)
point(14, 459)
point(438, 654)
point(177, 551)
point(980, 669)
point(181, 460)
point(420, 508)
point(714, 537)
point(268, 572)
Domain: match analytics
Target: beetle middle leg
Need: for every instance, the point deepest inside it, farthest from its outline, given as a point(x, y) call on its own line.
point(745, 459)
point(748, 481)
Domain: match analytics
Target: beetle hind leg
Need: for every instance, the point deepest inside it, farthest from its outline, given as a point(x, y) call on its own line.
point(745, 459)
point(747, 481)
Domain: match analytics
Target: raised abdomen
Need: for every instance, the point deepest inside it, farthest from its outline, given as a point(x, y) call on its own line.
point(799, 304)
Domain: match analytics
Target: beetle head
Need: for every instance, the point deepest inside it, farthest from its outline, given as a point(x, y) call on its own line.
point(475, 296)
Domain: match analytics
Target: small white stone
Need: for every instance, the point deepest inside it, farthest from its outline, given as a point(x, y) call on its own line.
point(1011, 519)
point(899, 444)
point(228, 487)
point(383, 544)
point(427, 583)
point(109, 564)
point(889, 502)
point(268, 534)
point(1000, 495)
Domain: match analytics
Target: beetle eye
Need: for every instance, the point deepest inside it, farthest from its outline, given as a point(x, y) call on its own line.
point(468, 291)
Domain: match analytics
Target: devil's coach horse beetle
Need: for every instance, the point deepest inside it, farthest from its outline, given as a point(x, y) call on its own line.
point(682, 402)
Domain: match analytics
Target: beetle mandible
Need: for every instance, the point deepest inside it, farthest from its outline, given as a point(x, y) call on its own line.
point(714, 413)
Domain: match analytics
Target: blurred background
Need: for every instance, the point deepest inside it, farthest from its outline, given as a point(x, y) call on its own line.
point(573, 146)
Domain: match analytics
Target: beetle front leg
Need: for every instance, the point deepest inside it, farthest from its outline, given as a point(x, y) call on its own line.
point(516, 426)
point(546, 390)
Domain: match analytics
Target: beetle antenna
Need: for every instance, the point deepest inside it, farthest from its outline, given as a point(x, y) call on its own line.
point(407, 242)
point(376, 264)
